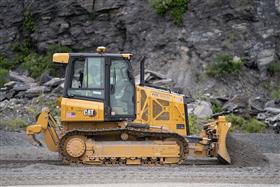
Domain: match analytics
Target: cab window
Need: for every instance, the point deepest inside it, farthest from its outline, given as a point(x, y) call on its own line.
point(87, 78)
point(122, 88)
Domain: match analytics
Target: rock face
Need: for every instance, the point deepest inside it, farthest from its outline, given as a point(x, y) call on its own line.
point(249, 29)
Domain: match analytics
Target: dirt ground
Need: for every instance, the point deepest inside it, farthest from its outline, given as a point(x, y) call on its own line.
point(23, 164)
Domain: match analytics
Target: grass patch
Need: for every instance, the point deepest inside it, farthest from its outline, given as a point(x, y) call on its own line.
point(13, 124)
point(194, 124)
point(224, 64)
point(176, 7)
point(3, 76)
point(240, 124)
point(276, 93)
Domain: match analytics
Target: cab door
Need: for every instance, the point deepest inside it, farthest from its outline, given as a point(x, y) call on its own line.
point(122, 90)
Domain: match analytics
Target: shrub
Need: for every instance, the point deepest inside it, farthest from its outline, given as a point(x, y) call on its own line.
point(177, 8)
point(37, 63)
point(274, 68)
point(28, 21)
point(3, 76)
point(224, 64)
point(216, 108)
point(194, 124)
point(5, 63)
point(22, 50)
point(252, 125)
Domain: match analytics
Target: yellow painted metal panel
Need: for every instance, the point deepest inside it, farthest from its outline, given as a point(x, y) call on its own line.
point(77, 110)
point(171, 114)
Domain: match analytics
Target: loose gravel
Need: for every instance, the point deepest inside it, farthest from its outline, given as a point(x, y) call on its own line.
point(23, 164)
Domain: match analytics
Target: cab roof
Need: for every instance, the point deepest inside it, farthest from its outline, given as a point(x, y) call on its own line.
point(63, 58)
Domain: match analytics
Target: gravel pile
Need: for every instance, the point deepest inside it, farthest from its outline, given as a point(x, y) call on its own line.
point(265, 143)
point(245, 155)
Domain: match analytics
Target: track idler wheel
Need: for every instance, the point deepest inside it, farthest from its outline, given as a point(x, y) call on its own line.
point(75, 146)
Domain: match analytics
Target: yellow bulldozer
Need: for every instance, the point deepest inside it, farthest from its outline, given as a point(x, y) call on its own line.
point(106, 119)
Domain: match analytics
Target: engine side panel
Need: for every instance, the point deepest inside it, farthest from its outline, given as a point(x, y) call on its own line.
point(161, 108)
point(81, 110)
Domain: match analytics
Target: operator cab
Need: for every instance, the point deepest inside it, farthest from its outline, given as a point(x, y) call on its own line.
point(102, 77)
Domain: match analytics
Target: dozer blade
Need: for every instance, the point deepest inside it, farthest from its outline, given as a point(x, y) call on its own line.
point(223, 128)
point(33, 140)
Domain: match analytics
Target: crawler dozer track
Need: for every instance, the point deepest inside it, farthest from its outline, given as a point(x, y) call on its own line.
point(83, 147)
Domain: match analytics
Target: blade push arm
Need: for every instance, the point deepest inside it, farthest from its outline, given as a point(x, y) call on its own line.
point(45, 124)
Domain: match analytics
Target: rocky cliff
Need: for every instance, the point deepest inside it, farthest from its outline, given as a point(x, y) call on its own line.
point(247, 29)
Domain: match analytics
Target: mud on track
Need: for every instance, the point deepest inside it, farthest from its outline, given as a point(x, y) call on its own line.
point(21, 163)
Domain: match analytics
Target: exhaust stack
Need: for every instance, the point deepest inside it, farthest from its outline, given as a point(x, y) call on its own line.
point(142, 72)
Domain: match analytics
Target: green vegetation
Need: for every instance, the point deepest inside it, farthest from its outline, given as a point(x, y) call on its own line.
point(52, 104)
point(194, 124)
point(239, 123)
point(22, 49)
point(224, 64)
point(28, 21)
point(37, 63)
point(5, 65)
point(26, 53)
point(276, 93)
point(216, 108)
point(177, 8)
point(274, 68)
point(13, 124)
point(3, 75)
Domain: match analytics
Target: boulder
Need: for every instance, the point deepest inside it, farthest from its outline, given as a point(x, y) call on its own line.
point(2, 96)
point(264, 58)
point(274, 119)
point(10, 84)
point(3, 89)
point(59, 89)
point(273, 104)
point(36, 91)
point(45, 77)
point(54, 82)
point(201, 109)
point(272, 110)
point(256, 104)
point(238, 104)
point(277, 5)
point(3, 104)
point(14, 76)
point(21, 87)
point(155, 78)
point(10, 94)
